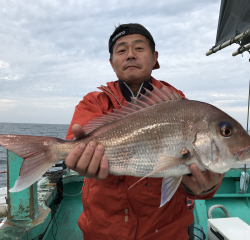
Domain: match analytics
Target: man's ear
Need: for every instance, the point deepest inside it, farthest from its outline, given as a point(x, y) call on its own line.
point(112, 65)
point(155, 57)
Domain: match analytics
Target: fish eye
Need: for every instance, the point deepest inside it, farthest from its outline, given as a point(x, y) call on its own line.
point(226, 130)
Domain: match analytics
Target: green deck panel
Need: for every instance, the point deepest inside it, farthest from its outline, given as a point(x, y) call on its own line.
point(26, 230)
point(61, 218)
point(23, 204)
point(238, 205)
point(200, 214)
point(24, 214)
point(64, 224)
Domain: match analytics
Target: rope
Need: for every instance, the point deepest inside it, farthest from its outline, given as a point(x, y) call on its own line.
point(84, 182)
point(217, 206)
point(241, 48)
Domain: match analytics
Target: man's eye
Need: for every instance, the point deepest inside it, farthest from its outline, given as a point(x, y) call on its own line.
point(138, 48)
point(121, 51)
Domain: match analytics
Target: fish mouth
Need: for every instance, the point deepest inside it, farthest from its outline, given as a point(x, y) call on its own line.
point(243, 155)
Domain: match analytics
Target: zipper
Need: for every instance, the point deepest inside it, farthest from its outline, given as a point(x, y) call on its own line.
point(129, 90)
point(132, 92)
point(139, 90)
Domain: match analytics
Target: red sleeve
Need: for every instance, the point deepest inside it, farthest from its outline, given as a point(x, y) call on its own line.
point(93, 105)
point(201, 197)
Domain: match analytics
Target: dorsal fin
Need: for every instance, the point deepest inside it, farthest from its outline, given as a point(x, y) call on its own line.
point(146, 100)
point(153, 96)
point(134, 105)
point(171, 94)
point(139, 102)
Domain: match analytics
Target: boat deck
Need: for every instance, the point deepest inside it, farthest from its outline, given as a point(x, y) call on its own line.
point(65, 215)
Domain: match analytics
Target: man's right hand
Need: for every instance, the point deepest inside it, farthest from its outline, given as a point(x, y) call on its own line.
point(87, 160)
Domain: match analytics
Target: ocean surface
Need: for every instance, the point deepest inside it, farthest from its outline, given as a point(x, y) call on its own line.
point(52, 130)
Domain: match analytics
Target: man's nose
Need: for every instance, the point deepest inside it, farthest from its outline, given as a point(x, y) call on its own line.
point(131, 54)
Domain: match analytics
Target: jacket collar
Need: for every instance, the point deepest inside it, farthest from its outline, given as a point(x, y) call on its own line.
point(127, 93)
point(113, 90)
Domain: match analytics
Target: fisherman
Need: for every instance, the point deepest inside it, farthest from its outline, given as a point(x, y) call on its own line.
point(111, 211)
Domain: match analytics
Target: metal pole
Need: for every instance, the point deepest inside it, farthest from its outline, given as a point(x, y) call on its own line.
point(248, 106)
point(245, 167)
point(227, 43)
point(241, 50)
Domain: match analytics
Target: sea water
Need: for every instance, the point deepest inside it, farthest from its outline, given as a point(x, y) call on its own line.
point(35, 129)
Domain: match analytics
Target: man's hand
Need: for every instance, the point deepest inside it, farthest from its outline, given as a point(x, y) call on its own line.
point(200, 182)
point(87, 160)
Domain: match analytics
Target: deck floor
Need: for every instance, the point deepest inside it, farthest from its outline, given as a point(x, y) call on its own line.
point(64, 224)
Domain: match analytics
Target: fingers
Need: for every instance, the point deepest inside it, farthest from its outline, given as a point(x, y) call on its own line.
point(72, 159)
point(88, 161)
point(77, 131)
point(200, 179)
point(191, 184)
point(104, 167)
point(200, 182)
point(215, 177)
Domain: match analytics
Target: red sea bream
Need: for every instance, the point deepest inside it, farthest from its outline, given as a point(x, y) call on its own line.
point(157, 135)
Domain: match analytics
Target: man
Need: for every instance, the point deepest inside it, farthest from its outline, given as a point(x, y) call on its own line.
point(111, 211)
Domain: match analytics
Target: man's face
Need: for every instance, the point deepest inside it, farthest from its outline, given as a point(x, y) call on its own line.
point(133, 59)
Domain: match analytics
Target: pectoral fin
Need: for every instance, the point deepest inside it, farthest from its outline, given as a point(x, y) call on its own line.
point(164, 163)
point(168, 188)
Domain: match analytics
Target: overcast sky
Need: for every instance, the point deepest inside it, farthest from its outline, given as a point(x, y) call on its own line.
point(52, 53)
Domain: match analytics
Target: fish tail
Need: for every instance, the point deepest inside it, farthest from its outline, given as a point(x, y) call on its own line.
point(37, 154)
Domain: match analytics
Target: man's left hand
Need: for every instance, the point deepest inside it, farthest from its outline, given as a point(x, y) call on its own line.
point(201, 182)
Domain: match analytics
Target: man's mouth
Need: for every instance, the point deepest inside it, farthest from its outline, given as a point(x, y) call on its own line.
point(131, 66)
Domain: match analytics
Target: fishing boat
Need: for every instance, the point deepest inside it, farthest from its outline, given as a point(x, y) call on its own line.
point(50, 209)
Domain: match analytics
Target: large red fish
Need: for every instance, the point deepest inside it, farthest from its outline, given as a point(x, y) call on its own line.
point(157, 135)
